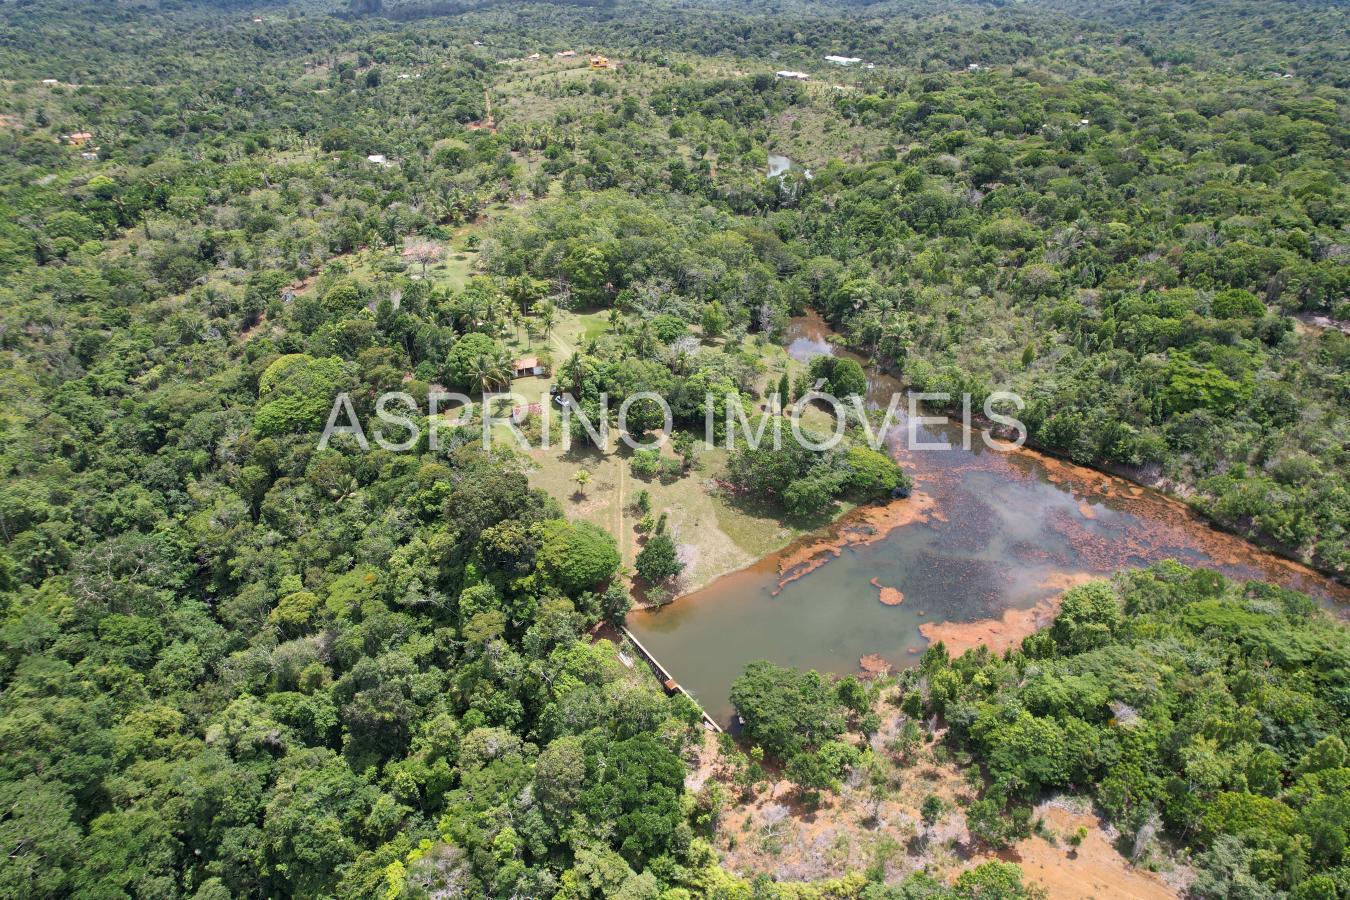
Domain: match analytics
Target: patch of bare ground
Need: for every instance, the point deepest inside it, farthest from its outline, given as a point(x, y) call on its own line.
point(1007, 631)
point(1092, 868)
point(873, 665)
point(1311, 324)
point(703, 766)
point(874, 822)
point(255, 329)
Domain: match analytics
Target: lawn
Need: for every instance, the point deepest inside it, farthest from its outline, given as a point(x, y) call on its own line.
point(716, 535)
point(454, 270)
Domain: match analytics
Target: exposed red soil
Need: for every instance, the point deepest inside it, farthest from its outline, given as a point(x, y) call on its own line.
point(1003, 633)
point(889, 596)
point(865, 525)
point(873, 665)
point(1007, 631)
point(1092, 869)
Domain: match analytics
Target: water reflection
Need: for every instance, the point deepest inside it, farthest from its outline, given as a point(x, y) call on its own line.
point(1002, 532)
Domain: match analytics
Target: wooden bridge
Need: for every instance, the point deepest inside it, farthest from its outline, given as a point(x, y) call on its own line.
point(668, 680)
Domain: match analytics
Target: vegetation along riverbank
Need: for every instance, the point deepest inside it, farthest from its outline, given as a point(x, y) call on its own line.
point(240, 661)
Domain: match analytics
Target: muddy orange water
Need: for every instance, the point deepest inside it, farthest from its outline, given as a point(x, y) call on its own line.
point(979, 554)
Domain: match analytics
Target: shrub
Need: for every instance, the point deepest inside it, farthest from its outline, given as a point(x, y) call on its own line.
point(659, 559)
point(646, 464)
point(296, 393)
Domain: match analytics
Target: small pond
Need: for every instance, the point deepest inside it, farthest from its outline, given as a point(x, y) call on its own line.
point(987, 539)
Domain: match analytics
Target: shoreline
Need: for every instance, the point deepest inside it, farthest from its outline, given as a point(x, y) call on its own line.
point(1132, 474)
point(773, 553)
point(1161, 486)
point(1286, 557)
point(802, 554)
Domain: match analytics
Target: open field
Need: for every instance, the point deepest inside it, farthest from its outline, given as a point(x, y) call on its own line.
point(714, 535)
point(879, 824)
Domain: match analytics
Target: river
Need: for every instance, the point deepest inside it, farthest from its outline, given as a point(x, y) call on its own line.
point(978, 553)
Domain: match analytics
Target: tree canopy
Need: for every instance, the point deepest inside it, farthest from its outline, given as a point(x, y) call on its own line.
point(237, 665)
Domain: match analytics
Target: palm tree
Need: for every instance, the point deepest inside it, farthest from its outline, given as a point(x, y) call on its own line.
point(470, 310)
point(515, 288)
point(868, 327)
point(489, 370)
point(681, 355)
point(502, 308)
point(644, 340)
point(582, 478)
point(548, 317)
point(525, 290)
point(576, 371)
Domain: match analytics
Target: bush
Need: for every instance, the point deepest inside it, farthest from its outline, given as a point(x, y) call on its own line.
point(646, 464)
point(1088, 615)
point(296, 393)
point(873, 475)
point(821, 769)
point(843, 377)
point(1237, 304)
point(671, 469)
point(811, 496)
point(659, 560)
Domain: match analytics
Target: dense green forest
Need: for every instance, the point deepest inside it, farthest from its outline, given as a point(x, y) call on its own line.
point(1178, 699)
point(237, 665)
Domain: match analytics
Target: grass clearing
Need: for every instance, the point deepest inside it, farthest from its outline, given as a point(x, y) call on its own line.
point(454, 270)
point(715, 537)
point(716, 534)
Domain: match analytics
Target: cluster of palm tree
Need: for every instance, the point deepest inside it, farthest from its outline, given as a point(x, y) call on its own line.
point(537, 315)
point(881, 332)
point(546, 316)
point(539, 325)
point(646, 342)
point(483, 306)
point(493, 307)
point(574, 372)
point(491, 370)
